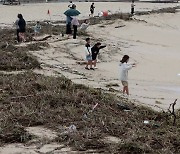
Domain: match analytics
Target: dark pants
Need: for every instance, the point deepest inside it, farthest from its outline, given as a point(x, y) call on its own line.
point(68, 28)
point(75, 31)
point(17, 33)
point(132, 11)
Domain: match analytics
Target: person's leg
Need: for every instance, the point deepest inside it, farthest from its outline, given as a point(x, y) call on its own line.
point(132, 11)
point(20, 36)
point(17, 33)
point(124, 89)
point(87, 64)
point(23, 37)
point(94, 62)
point(127, 90)
point(75, 31)
point(90, 63)
point(68, 29)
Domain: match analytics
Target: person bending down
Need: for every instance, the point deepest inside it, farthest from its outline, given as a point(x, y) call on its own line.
point(95, 51)
point(124, 67)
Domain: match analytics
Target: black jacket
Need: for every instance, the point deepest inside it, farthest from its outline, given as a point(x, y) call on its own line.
point(95, 51)
point(22, 24)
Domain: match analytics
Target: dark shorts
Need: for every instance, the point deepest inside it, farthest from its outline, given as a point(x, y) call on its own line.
point(68, 29)
point(94, 57)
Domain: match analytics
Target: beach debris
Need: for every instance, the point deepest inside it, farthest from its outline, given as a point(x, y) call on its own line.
point(71, 129)
point(171, 110)
point(120, 26)
point(86, 115)
point(42, 38)
point(146, 122)
point(123, 107)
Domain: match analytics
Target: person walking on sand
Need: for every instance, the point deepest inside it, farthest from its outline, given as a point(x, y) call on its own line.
point(132, 8)
point(75, 24)
point(92, 7)
point(22, 28)
point(95, 51)
point(124, 67)
point(88, 54)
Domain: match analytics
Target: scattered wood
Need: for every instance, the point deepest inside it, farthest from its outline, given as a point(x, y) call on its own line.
point(172, 111)
point(42, 38)
point(120, 26)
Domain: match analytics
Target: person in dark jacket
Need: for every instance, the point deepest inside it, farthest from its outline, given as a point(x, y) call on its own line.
point(95, 51)
point(92, 7)
point(21, 28)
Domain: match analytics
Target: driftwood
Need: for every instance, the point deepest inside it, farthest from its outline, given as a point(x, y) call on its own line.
point(42, 38)
point(171, 110)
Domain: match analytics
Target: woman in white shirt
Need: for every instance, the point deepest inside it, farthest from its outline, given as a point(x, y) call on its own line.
point(124, 67)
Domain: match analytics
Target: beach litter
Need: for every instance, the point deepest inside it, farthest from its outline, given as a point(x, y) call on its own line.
point(67, 130)
point(123, 107)
point(146, 122)
point(86, 115)
point(120, 26)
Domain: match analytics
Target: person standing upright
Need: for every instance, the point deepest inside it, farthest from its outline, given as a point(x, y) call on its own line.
point(21, 28)
point(132, 8)
point(124, 68)
point(75, 24)
point(17, 28)
point(92, 7)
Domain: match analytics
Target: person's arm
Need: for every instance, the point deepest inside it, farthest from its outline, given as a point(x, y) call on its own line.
point(103, 46)
point(129, 66)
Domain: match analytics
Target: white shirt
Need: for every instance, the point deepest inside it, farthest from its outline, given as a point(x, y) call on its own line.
point(84, 26)
point(87, 51)
point(124, 67)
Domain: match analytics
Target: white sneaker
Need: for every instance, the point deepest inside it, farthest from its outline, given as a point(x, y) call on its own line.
point(96, 67)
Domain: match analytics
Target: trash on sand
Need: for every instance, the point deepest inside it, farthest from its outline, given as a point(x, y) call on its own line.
point(122, 106)
point(146, 122)
point(120, 26)
point(72, 128)
point(85, 116)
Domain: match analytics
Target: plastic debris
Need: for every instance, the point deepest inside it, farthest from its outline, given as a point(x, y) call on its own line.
point(146, 122)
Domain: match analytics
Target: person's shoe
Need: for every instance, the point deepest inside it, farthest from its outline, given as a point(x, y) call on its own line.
point(96, 67)
point(91, 68)
point(86, 68)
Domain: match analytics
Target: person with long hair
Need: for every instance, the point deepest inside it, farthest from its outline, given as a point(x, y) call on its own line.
point(22, 28)
point(124, 68)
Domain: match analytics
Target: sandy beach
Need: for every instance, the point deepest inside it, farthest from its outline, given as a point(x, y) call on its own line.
point(152, 41)
point(38, 11)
